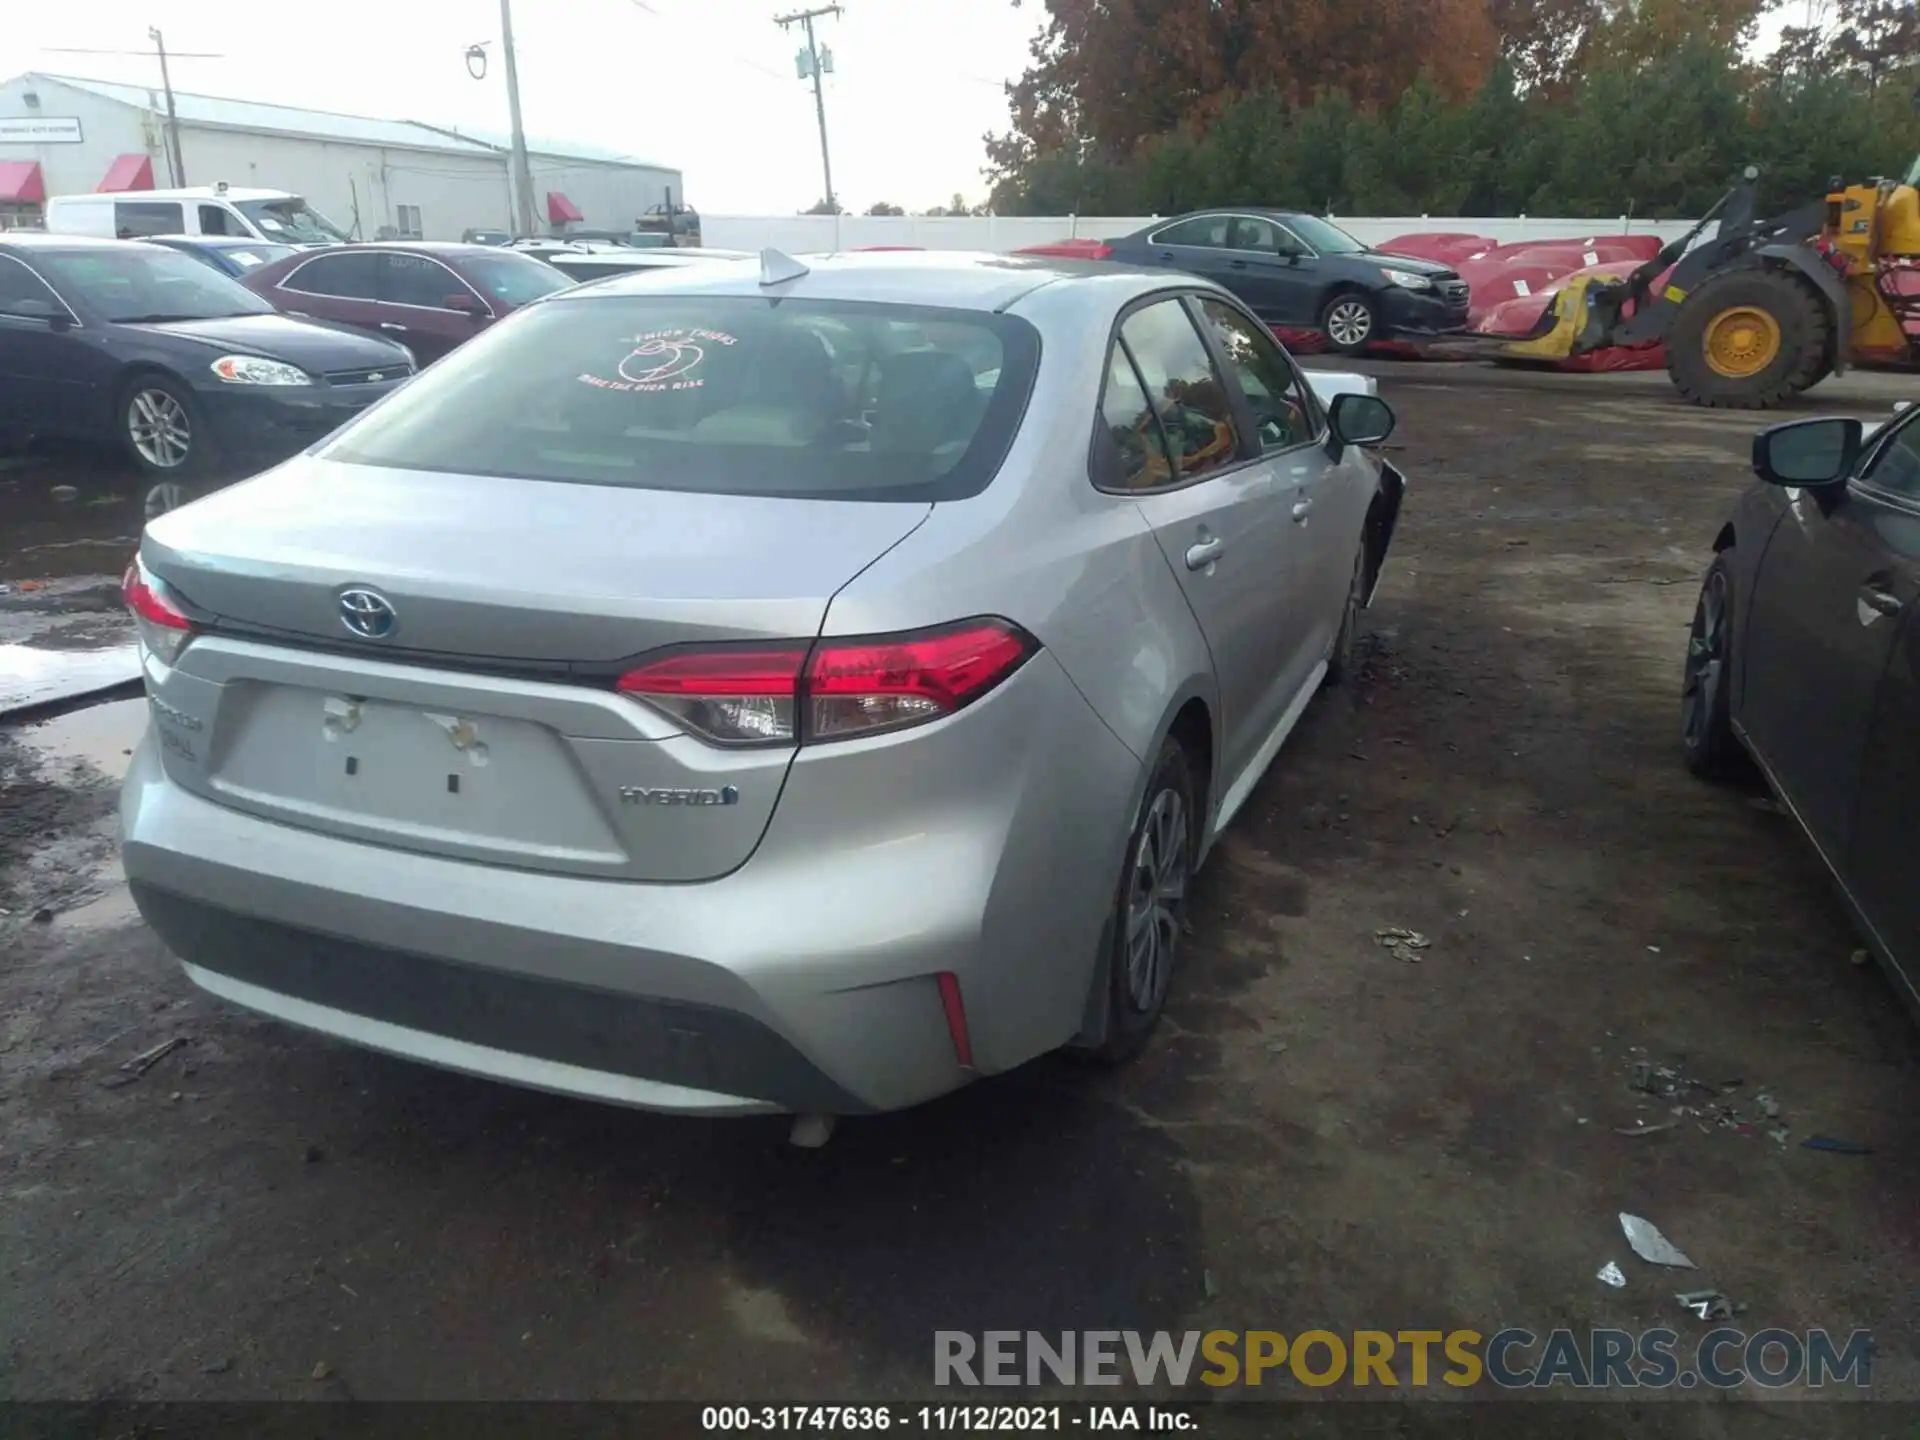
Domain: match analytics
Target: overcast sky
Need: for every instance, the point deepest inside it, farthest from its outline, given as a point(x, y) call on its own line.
point(707, 86)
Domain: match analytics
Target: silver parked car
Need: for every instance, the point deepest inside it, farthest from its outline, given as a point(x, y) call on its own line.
point(754, 688)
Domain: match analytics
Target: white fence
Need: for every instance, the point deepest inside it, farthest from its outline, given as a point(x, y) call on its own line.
point(813, 234)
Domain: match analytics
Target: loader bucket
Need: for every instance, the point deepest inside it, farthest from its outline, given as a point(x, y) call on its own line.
point(1560, 325)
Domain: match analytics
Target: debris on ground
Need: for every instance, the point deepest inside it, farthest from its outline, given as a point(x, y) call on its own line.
point(1613, 1275)
point(65, 493)
point(314, 1155)
point(131, 1070)
point(216, 1367)
point(1707, 1304)
point(1402, 943)
point(322, 1371)
point(1702, 1101)
point(1860, 957)
point(1206, 1284)
point(1634, 1131)
point(1769, 1107)
point(1835, 1147)
point(1650, 1245)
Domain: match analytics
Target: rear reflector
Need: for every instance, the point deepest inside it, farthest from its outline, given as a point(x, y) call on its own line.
point(782, 694)
point(956, 1018)
point(162, 626)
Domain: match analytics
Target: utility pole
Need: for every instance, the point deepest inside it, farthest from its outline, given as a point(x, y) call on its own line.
point(812, 63)
point(522, 178)
point(174, 161)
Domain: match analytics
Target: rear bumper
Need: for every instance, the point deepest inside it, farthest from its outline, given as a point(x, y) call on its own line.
point(804, 981)
point(1414, 313)
point(265, 424)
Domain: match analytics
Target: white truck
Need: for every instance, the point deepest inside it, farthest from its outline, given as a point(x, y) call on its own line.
point(276, 216)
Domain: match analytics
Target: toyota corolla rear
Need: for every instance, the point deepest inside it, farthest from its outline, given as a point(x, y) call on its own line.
point(512, 731)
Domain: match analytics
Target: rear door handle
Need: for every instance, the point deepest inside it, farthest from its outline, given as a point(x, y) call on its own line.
point(1302, 509)
point(1875, 598)
point(396, 329)
point(1236, 264)
point(1205, 553)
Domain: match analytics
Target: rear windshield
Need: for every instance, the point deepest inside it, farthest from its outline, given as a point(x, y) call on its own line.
point(728, 395)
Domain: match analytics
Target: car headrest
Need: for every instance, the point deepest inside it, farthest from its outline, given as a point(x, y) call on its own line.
point(924, 399)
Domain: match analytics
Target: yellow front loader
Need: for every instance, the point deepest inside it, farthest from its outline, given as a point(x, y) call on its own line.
point(1765, 308)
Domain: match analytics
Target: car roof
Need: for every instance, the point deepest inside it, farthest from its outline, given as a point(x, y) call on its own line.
point(950, 279)
point(41, 240)
point(212, 242)
point(185, 192)
point(445, 249)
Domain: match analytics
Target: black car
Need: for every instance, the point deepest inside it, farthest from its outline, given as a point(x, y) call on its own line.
point(229, 254)
point(186, 369)
point(1301, 272)
point(1804, 657)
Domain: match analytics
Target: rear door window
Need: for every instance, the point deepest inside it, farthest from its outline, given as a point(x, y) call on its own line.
point(1188, 396)
point(418, 281)
point(1208, 232)
point(133, 219)
point(346, 277)
point(720, 394)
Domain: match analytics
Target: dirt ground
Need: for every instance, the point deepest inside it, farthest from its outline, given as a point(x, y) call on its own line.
point(1323, 1134)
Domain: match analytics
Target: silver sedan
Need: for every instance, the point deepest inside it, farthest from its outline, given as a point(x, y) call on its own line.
point(769, 686)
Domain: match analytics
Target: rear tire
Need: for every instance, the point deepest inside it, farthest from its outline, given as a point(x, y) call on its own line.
point(1150, 908)
point(1748, 339)
point(1707, 739)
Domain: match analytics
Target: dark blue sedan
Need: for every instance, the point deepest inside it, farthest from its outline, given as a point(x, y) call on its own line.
point(192, 374)
point(229, 254)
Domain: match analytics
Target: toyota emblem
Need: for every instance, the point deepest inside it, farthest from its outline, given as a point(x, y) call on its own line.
point(367, 613)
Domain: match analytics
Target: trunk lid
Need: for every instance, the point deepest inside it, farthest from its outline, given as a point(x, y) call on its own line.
point(485, 726)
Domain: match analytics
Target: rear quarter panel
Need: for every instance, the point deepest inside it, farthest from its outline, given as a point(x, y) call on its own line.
point(1082, 572)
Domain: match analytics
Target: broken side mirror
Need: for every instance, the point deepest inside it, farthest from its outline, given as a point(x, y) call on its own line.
point(1809, 454)
point(34, 309)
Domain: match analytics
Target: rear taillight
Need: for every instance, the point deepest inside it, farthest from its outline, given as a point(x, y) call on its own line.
point(833, 690)
point(162, 626)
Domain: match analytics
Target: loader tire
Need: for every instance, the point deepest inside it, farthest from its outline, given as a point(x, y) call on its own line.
point(1748, 339)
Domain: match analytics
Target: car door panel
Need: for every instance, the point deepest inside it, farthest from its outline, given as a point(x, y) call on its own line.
point(1828, 597)
point(51, 374)
point(341, 288)
point(1221, 518)
point(1323, 494)
point(1814, 659)
point(1267, 272)
point(1880, 856)
point(412, 290)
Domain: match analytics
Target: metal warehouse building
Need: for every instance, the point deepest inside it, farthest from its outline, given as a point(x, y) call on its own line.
point(62, 136)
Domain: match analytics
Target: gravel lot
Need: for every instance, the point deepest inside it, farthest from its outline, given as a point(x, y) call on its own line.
point(1323, 1135)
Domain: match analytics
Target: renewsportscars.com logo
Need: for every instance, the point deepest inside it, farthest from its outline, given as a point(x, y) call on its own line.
point(1510, 1359)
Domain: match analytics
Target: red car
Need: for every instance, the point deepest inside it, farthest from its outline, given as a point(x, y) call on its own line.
point(428, 296)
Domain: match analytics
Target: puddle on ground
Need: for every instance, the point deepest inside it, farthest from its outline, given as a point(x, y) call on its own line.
point(101, 736)
point(31, 676)
point(69, 512)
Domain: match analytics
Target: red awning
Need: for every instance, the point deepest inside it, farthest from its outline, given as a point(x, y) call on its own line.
point(128, 172)
point(561, 210)
point(21, 183)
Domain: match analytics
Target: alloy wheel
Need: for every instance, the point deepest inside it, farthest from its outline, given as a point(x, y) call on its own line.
point(158, 426)
point(1706, 660)
point(1156, 898)
point(1349, 322)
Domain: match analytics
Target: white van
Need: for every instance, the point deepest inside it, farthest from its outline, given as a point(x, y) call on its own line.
point(271, 215)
